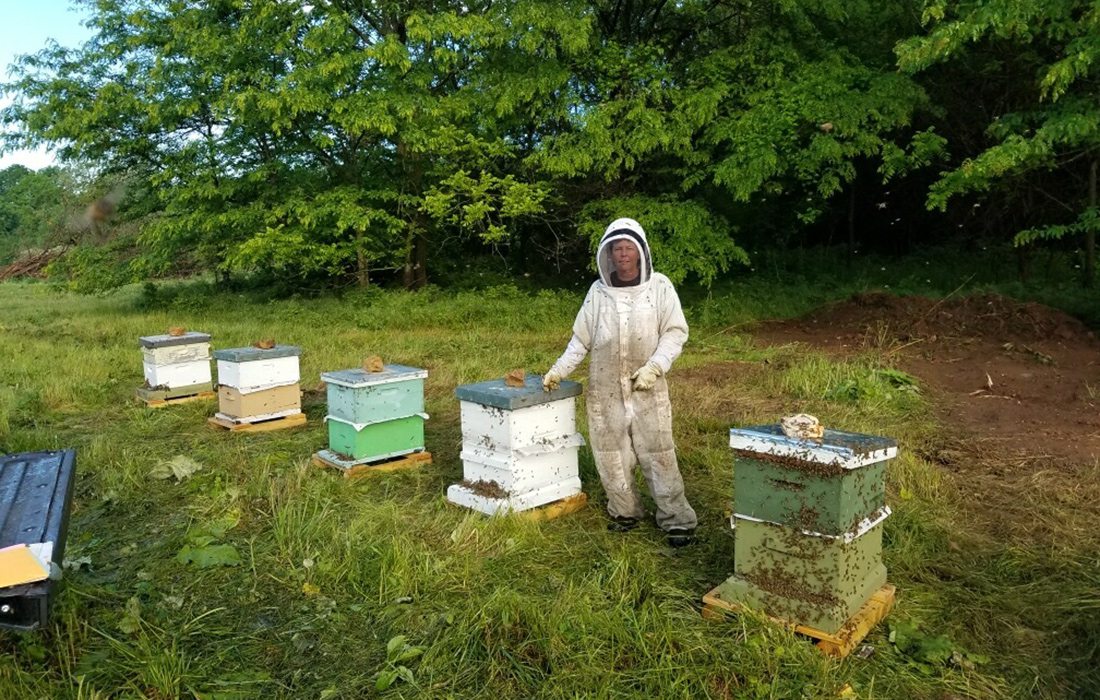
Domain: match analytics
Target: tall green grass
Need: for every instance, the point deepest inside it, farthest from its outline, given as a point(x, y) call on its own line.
point(378, 587)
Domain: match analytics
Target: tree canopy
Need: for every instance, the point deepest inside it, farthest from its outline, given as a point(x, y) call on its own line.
point(345, 139)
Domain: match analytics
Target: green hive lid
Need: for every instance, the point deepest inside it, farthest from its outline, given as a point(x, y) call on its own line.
point(249, 354)
point(498, 394)
point(358, 378)
point(838, 448)
point(165, 341)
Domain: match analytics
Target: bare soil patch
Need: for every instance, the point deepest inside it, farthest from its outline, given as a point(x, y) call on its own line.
point(1015, 387)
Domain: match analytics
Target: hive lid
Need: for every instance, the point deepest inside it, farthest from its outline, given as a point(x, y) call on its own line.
point(498, 394)
point(837, 448)
point(165, 340)
point(358, 378)
point(251, 354)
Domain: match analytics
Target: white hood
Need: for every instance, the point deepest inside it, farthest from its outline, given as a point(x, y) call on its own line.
point(623, 230)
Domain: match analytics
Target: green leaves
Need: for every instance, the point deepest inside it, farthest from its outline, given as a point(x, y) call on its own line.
point(203, 549)
point(398, 653)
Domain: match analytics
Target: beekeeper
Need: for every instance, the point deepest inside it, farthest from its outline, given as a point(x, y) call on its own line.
point(632, 324)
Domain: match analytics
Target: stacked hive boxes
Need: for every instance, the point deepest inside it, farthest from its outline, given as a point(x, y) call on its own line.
point(519, 445)
point(809, 515)
point(373, 416)
point(258, 384)
point(175, 365)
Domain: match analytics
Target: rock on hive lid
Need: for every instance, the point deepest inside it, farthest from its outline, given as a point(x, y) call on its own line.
point(356, 378)
point(165, 340)
point(498, 394)
point(250, 354)
point(847, 450)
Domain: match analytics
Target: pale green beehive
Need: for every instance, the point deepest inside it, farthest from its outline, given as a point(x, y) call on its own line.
point(809, 514)
point(810, 578)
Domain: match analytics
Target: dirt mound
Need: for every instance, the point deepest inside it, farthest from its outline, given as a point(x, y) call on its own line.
point(1016, 390)
point(1019, 379)
point(987, 316)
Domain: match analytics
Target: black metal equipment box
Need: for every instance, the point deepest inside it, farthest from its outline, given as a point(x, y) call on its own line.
point(35, 496)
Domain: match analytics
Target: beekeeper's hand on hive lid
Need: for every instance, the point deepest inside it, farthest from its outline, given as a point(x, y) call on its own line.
point(632, 324)
point(551, 380)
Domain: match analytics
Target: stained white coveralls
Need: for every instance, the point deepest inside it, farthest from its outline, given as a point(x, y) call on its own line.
point(623, 328)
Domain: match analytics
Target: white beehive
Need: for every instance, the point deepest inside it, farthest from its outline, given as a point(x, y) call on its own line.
point(176, 361)
point(258, 373)
point(519, 446)
point(254, 379)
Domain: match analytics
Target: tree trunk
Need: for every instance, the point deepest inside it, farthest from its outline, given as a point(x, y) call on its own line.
point(416, 263)
point(362, 273)
point(852, 222)
point(1090, 234)
point(415, 274)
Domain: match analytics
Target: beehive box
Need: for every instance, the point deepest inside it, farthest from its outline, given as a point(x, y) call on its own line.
point(177, 361)
point(519, 445)
point(254, 369)
point(809, 515)
point(277, 400)
point(376, 441)
point(35, 500)
point(373, 416)
point(358, 396)
point(828, 485)
point(815, 579)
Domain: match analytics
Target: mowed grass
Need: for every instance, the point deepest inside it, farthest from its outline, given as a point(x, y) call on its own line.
point(379, 587)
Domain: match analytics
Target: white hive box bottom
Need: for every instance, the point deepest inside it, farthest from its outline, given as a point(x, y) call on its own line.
point(463, 495)
point(179, 374)
point(517, 472)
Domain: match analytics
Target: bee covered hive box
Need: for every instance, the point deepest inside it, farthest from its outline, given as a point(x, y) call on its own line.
point(519, 445)
point(808, 515)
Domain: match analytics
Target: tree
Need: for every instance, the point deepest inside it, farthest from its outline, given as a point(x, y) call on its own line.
point(306, 139)
point(687, 111)
point(1053, 124)
point(34, 207)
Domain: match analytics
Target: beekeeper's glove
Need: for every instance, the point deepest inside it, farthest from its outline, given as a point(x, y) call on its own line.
point(646, 377)
point(551, 380)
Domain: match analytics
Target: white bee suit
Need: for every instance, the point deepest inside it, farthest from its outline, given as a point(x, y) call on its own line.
point(623, 329)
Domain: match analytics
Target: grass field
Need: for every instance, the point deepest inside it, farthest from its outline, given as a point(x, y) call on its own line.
point(378, 587)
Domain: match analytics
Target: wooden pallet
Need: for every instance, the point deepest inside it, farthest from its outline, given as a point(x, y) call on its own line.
point(157, 399)
point(393, 464)
point(281, 423)
point(839, 644)
point(548, 511)
point(554, 510)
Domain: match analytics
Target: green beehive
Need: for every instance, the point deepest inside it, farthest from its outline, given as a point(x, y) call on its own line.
point(816, 580)
point(359, 396)
point(828, 485)
point(809, 513)
point(375, 441)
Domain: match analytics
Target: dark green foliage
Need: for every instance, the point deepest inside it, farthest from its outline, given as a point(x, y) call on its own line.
point(346, 139)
